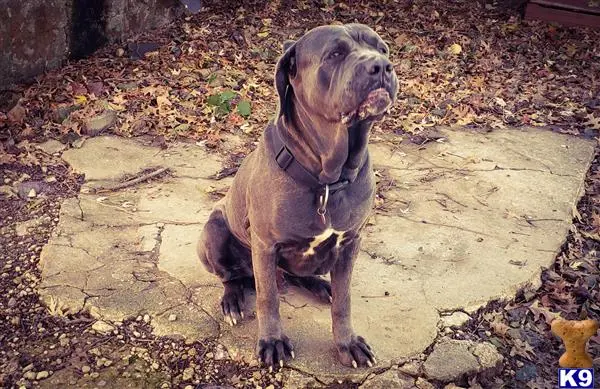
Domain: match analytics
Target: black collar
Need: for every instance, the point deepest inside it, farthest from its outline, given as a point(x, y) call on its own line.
point(288, 163)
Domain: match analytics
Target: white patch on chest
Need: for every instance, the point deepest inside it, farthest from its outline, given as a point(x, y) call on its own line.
point(317, 240)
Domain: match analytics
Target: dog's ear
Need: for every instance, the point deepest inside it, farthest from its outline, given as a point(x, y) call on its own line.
point(286, 68)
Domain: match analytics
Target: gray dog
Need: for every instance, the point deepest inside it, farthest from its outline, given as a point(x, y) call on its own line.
point(299, 201)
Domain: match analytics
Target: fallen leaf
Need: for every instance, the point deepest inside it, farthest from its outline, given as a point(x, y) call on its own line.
point(28, 132)
point(17, 114)
point(400, 40)
point(96, 88)
point(499, 327)
point(7, 190)
point(523, 349)
point(6, 158)
point(182, 128)
point(163, 102)
point(214, 100)
point(80, 99)
point(543, 312)
point(455, 49)
point(243, 108)
point(592, 122)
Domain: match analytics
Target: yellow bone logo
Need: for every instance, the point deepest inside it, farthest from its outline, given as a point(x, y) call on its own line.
point(575, 334)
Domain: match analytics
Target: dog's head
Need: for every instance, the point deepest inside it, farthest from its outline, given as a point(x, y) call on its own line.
point(341, 73)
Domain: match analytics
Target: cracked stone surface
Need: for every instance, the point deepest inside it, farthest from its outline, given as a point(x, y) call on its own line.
point(390, 379)
point(455, 320)
point(51, 146)
point(467, 220)
point(453, 359)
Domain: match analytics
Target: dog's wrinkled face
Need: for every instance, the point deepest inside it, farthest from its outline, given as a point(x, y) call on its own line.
point(341, 73)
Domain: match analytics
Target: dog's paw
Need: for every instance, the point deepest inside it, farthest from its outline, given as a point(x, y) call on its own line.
point(232, 305)
point(274, 351)
point(356, 353)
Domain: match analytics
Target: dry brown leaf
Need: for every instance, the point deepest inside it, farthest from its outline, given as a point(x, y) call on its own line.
point(6, 158)
point(17, 114)
point(592, 122)
point(543, 312)
point(499, 328)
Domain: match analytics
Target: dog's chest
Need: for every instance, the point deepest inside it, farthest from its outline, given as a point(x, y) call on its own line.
point(329, 235)
point(336, 237)
point(314, 255)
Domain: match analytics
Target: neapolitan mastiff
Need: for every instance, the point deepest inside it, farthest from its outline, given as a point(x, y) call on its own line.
point(299, 201)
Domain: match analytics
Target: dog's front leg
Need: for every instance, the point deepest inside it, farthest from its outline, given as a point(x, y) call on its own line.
point(273, 346)
point(352, 350)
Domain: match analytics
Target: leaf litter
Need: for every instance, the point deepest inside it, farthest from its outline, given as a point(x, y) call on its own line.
point(470, 64)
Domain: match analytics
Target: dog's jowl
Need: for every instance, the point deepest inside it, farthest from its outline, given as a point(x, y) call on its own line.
point(300, 200)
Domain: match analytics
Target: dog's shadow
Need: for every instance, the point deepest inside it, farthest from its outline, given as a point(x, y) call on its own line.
point(294, 296)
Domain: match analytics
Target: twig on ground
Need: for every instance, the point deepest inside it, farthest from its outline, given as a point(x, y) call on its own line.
point(131, 182)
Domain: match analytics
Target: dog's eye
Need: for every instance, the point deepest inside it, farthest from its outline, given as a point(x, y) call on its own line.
point(383, 50)
point(335, 54)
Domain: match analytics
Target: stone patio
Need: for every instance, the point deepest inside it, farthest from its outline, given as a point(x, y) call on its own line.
point(469, 219)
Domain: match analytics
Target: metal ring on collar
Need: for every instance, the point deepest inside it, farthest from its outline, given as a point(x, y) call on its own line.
point(323, 199)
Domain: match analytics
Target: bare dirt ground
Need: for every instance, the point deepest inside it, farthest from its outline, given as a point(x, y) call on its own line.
point(461, 63)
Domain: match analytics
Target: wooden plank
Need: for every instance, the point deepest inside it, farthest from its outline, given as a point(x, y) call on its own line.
point(567, 18)
point(576, 5)
point(572, 5)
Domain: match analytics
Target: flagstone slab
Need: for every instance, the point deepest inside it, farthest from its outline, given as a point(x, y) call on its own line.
point(471, 218)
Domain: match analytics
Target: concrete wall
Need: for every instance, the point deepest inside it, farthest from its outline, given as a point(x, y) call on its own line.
point(36, 35)
point(33, 36)
point(127, 16)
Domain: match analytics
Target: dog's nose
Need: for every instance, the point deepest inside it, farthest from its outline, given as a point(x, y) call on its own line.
point(379, 65)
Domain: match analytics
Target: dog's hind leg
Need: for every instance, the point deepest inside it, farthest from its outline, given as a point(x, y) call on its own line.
point(222, 254)
point(315, 285)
